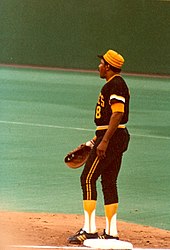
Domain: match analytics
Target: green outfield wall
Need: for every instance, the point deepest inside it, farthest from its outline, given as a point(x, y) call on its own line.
point(69, 34)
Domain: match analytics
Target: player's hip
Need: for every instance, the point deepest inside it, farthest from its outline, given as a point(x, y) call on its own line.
point(118, 142)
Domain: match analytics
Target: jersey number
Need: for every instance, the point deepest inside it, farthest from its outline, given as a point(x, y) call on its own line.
point(98, 112)
point(101, 104)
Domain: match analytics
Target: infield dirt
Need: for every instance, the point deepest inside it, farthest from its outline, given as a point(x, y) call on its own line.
point(18, 228)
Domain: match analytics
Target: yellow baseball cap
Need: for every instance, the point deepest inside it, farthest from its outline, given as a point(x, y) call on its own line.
point(113, 58)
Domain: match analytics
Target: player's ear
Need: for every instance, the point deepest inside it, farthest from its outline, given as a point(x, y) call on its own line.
point(107, 67)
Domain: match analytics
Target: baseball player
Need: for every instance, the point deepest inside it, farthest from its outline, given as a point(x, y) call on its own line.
point(110, 142)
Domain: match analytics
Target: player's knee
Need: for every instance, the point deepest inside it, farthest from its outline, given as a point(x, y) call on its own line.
point(110, 192)
point(82, 180)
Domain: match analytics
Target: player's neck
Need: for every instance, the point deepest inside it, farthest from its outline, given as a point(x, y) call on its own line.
point(110, 74)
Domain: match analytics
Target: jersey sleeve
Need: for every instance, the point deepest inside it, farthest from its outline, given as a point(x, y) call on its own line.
point(118, 92)
point(118, 107)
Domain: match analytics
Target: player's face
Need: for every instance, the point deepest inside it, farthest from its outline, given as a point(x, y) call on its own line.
point(102, 69)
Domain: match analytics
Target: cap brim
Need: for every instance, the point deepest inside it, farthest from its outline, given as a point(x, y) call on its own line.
point(100, 56)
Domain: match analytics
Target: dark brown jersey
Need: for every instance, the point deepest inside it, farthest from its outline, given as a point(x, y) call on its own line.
point(114, 91)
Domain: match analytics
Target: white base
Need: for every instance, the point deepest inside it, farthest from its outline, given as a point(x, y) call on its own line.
point(108, 244)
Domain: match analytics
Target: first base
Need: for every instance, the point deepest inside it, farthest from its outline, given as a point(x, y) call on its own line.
point(108, 244)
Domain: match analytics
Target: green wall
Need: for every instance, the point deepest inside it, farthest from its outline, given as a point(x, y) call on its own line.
point(71, 33)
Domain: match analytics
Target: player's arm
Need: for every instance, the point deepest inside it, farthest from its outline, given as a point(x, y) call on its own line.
point(115, 119)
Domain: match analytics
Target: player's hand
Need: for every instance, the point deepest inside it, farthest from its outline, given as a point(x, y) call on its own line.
point(101, 149)
point(90, 143)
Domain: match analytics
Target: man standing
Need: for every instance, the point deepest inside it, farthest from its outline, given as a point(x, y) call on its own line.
point(109, 144)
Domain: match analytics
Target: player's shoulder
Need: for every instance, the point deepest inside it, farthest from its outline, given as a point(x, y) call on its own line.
point(119, 79)
point(118, 82)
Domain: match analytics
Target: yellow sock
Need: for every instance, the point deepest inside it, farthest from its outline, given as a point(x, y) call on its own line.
point(89, 214)
point(111, 213)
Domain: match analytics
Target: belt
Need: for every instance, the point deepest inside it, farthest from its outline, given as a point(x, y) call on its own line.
point(106, 127)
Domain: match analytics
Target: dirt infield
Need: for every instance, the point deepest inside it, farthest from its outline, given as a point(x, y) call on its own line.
point(53, 230)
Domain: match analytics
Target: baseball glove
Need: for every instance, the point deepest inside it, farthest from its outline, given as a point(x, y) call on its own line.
point(78, 156)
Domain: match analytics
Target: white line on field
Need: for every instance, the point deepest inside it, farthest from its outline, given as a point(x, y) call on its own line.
point(74, 128)
point(44, 125)
point(152, 136)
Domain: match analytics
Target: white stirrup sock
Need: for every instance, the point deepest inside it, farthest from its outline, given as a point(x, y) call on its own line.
point(111, 214)
point(89, 216)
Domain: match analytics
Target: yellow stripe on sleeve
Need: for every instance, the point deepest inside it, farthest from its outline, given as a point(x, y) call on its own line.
point(117, 107)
